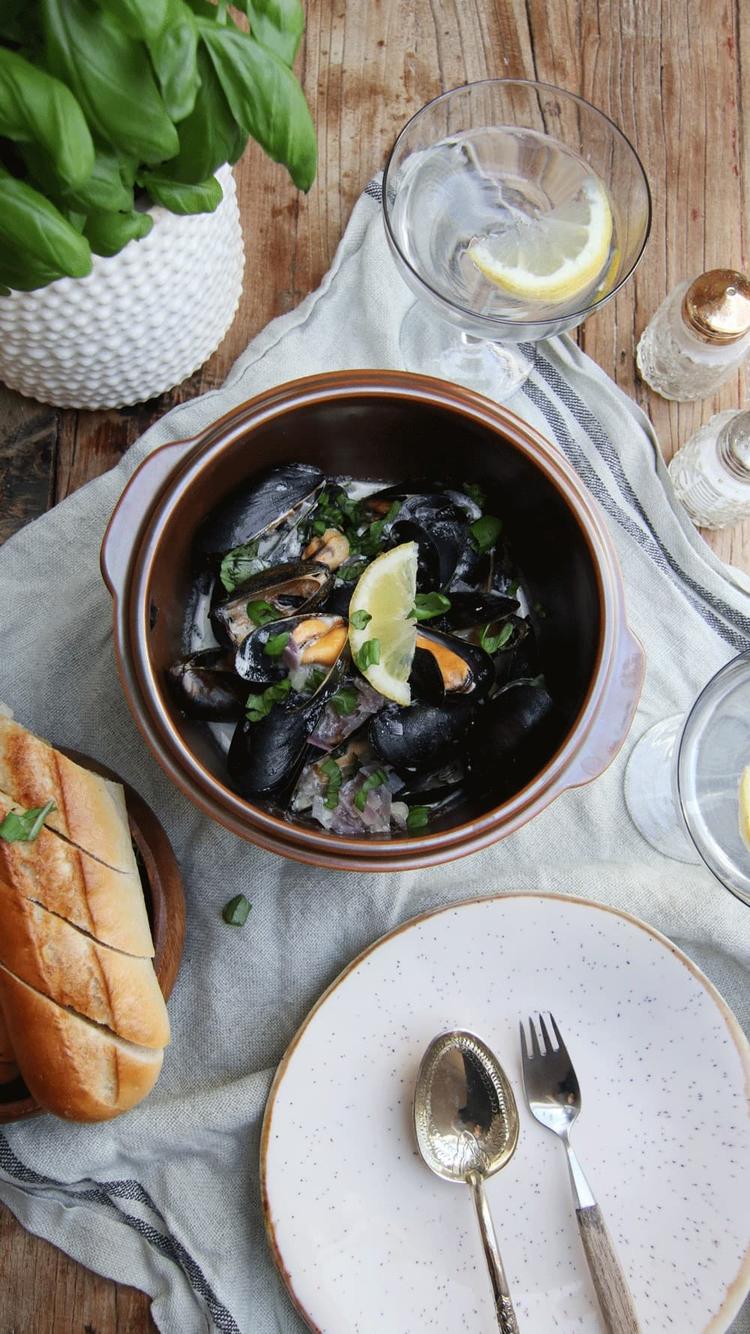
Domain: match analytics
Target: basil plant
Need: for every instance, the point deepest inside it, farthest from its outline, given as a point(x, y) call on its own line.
point(108, 106)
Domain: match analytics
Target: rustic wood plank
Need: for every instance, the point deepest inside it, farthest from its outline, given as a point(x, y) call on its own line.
point(669, 72)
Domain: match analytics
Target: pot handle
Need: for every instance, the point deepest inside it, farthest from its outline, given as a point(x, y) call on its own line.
point(133, 508)
point(613, 722)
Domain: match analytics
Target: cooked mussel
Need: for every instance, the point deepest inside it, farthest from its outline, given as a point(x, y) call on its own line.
point(260, 508)
point(422, 737)
point(205, 686)
point(441, 532)
point(293, 645)
point(520, 729)
point(446, 666)
point(476, 608)
point(284, 589)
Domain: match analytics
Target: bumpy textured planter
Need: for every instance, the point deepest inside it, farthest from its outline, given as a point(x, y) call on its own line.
point(141, 322)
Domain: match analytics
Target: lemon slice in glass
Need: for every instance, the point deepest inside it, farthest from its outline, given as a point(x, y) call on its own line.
point(552, 257)
point(744, 800)
point(381, 635)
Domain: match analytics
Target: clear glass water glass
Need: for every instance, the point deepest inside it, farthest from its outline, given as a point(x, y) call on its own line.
point(491, 160)
point(683, 777)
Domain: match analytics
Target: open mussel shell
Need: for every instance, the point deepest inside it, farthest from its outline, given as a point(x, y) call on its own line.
point(521, 727)
point(272, 651)
point(264, 504)
point(206, 687)
point(290, 588)
point(422, 737)
point(446, 666)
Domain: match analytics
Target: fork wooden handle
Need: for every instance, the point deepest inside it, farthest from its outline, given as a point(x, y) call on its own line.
point(609, 1280)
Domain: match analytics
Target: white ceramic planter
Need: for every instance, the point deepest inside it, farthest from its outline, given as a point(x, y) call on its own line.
point(140, 323)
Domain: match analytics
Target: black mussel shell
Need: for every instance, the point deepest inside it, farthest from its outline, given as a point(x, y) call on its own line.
point(255, 664)
point(477, 608)
point(206, 687)
point(446, 666)
point(440, 543)
point(430, 789)
point(265, 757)
point(521, 727)
point(338, 599)
point(293, 587)
point(422, 737)
point(260, 505)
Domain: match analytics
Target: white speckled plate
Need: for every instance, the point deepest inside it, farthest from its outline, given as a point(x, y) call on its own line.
point(369, 1242)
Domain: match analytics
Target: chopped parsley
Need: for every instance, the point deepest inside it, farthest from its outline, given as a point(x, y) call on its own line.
point(258, 706)
point(260, 612)
point(345, 701)
point(418, 816)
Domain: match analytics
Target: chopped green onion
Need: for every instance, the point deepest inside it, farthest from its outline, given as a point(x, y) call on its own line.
point(485, 532)
point(491, 643)
point(345, 701)
point(25, 826)
point(275, 644)
point(418, 815)
point(261, 612)
point(360, 619)
point(258, 706)
point(335, 778)
point(369, 654)
point(476, 494)
point(239, 564)
point(236, 911)
point(427, 605)
point(373, 780)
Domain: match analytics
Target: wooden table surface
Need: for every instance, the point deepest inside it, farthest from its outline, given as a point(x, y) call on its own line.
point(667, 71)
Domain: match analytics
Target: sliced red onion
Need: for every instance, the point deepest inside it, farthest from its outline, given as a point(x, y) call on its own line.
point(333, 727)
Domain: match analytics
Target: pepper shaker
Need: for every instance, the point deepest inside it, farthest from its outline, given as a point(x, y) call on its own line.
point(711, 472)
point(698, 336)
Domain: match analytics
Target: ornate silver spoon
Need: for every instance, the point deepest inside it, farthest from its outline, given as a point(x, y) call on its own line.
point(466, 1121)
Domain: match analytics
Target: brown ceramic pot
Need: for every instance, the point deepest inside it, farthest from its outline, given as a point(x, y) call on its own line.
point(377, 424)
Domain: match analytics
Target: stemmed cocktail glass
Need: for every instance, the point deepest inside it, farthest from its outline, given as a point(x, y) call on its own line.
point(514, 209)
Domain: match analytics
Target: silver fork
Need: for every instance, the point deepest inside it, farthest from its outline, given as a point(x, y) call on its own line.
point(554, 1098)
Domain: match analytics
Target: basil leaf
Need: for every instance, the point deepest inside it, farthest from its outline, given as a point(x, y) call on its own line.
point(275, 644)
point(179, 198)
point(14, 25)
point(107, 72)
point(373, 781)
point(143, 19)
point(417, 818)
point(174, 56)
point(360, 619)
point(258, 706)
point(278, 25)
point(369, 654)
point(427, 605)
point(38, 109)
point(108, 233)
point(105, 190)
point(236, 911)
point(37, 243)
point(485, 532)
point(209, 135)
point(491, 643)
point(239, 564)
point(25, 826)
point(265, 99)
point(345, 701)
point(260, 612)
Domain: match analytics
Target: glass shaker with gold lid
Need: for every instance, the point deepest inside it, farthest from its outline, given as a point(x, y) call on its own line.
point(698, 336)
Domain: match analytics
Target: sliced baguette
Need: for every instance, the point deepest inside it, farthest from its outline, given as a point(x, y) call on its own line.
point(57, 959)
point(90, 811)
point(73, 1067)
point(108, 904)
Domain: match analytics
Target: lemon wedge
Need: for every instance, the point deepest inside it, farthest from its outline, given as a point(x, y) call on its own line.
point(381, 635)
point(555, 256)
point(744, 801)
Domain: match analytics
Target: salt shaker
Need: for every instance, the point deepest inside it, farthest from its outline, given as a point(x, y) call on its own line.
point(698, 336)
point(711, 472)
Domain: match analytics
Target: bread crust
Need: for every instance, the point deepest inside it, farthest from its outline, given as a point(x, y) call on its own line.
point(111, 988)
point(90, 810)
point(73, 1067)
point(108, 904)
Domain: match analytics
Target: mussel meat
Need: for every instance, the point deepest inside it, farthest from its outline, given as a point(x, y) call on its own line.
point(446, 666)
point(205, 686)
point(284, 589)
